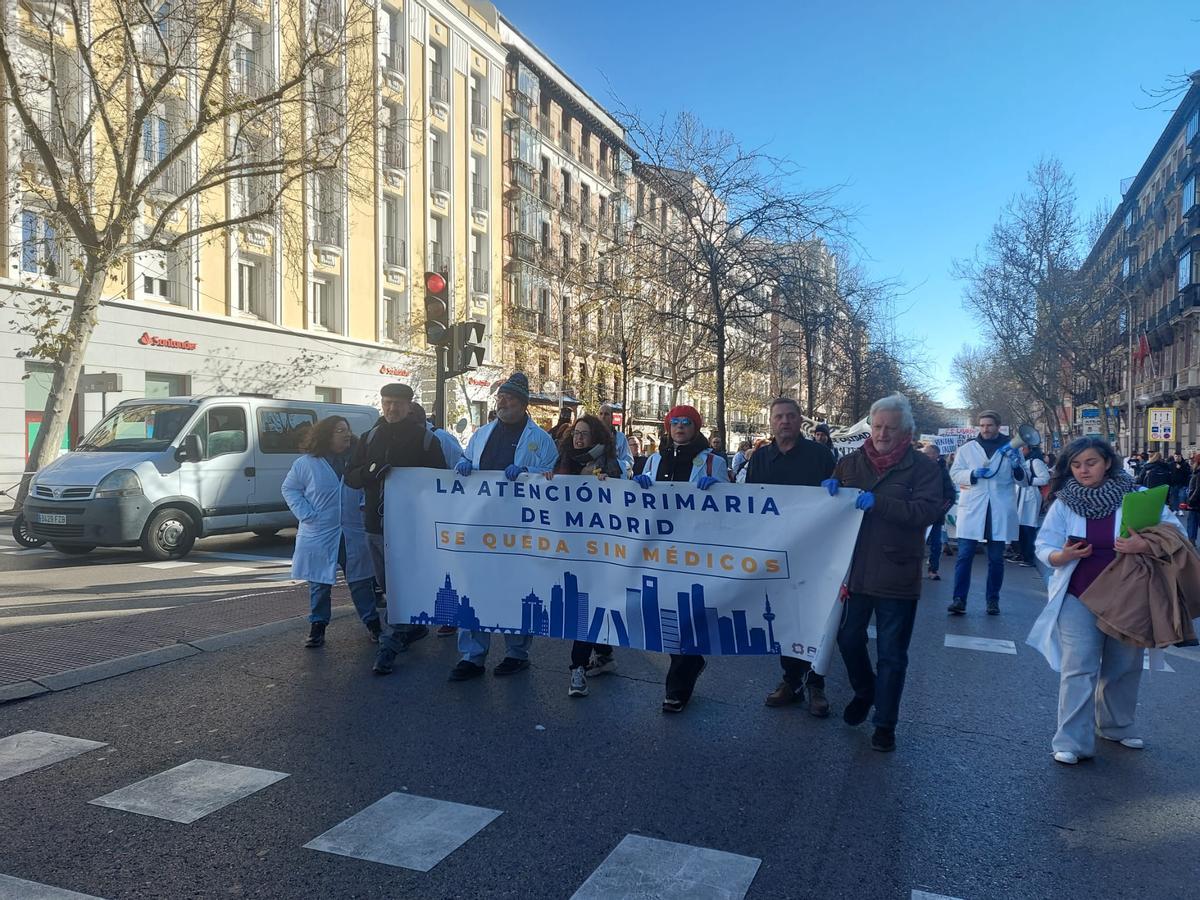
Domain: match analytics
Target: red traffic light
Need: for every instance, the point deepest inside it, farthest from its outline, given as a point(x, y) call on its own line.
point(434, 282)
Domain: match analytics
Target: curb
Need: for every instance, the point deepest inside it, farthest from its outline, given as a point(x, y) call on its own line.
point(123, 665)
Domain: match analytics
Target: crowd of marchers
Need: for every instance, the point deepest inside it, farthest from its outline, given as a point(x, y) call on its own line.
point(904, 491)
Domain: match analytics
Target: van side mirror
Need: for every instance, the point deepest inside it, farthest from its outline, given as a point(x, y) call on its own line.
point(190, 450)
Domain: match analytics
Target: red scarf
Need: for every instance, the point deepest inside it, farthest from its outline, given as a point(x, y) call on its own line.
point(884, 461)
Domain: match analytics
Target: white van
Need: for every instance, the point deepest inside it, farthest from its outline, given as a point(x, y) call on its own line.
point(163, 472)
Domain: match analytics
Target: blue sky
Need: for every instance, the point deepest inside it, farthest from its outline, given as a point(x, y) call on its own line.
point(929, 113)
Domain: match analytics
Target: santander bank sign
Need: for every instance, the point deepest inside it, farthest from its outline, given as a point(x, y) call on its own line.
point(152, 340)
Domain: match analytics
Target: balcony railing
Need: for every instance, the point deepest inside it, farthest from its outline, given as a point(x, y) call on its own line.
point(251, 79)
point(170, 181)
point(587, 216)
point(479, 196)
point(393, 57)
point(395, 251)
point(546, 125)
point(479, 115)
point(393, 150)
point(328, 14)
point(566, 142)
point(570, 207)
point(479, 281)
point(54, 137)
point(548, 194)
point(439, 88)
point(524, 248)
point(527, 319)
point(585, 156)
point(439, 174)
point(327, 229)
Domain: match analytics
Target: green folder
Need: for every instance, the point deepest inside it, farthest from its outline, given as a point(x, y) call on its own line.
point(1141, 509)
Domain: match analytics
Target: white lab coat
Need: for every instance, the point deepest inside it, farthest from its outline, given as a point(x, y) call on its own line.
point(1060, 524)
point(700, 466)
point(328, 511)
point(974, 500)
point(452, 449)
point(1029, 498)
point(535, 449)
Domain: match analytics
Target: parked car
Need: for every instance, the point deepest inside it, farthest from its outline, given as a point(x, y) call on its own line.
point(160, 473)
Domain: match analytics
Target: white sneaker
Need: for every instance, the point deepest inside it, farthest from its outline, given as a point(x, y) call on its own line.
point(1131, 743)
point(601, 665)
point(1066, 757)
point(578, 686)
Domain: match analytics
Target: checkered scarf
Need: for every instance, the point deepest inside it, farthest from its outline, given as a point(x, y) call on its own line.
point(1099, 502)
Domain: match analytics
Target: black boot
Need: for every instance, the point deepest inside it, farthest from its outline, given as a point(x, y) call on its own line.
point(316, 635)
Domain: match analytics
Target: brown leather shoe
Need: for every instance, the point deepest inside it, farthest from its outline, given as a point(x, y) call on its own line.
point(817, 704)
point(786, 695)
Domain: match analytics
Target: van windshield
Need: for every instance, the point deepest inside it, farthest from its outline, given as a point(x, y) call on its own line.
point(143, 426)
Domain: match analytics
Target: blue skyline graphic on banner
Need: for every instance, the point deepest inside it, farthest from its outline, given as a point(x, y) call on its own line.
point(687, 626)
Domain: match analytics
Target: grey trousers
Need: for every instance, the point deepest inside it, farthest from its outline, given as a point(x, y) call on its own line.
point(1098, 685)
point(473, 645)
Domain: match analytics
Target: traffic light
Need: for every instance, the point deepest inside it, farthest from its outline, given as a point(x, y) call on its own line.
point(437, 308)
point(466, 351)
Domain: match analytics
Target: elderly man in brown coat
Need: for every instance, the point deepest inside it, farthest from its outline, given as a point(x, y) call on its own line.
point(901, 495)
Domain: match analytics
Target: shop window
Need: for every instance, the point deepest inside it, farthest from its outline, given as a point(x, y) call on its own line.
point(329, 395)
point(160, 384)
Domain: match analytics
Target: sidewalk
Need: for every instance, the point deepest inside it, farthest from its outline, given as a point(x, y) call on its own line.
point(61, 656)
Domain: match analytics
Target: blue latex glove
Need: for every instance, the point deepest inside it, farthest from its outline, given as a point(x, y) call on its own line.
point(463, 467)
point(644, 481)
point(865, 501)
point(831, 485)
point(981, 472)
point(706, 481)
point(513, 471)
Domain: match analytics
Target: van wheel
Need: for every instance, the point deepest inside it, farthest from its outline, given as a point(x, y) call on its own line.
point(74, 549)
point(266, 532)
point(22, 535)
point(169, 534)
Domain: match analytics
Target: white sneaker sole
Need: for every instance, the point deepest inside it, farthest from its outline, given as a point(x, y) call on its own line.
point(1129, 743)
point(572, 692)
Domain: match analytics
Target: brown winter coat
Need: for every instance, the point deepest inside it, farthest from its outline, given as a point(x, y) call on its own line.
point(1149, 599)
point(891, 542)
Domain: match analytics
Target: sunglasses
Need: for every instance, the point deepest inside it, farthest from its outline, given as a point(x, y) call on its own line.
point(681, 420)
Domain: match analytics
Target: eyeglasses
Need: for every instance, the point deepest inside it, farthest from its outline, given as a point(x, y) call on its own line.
point(341, 429)
point(586, 435)
point(681, 420)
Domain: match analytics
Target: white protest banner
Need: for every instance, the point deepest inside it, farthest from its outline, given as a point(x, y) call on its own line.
point(736, 570)
point(946, 443)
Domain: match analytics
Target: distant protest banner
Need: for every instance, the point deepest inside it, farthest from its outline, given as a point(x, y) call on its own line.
point(737, 570)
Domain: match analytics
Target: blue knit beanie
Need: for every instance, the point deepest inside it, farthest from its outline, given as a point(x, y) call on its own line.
point(517, 385)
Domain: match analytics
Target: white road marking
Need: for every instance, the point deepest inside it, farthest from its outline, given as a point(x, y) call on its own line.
point(925, 895)
point(226, 570)
point(168, 564)
point(20, 889)
point(31, 750)
point(405, 830)
point(1166, 666)
point(991, 645)
point(241, 557)
point(190, 791)
point(646, 867)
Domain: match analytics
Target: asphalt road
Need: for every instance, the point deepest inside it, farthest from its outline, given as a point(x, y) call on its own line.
point(970, 806)
point(44, 587)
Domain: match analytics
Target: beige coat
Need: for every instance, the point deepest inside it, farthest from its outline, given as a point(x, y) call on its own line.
point(1149, 599)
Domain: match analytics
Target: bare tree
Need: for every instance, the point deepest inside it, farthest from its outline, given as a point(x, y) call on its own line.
point(724, 209)
point(150, 128)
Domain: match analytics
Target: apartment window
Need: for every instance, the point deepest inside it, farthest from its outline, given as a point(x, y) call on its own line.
point(39, 245)
point(566, 248)
point(1189, 194)
point(479, 198)
point(393, 244)
point(163, 276)
point(156, 141)
point(327, 206)
point(395, 316)
point(392, 138)
point(1193, 126)
point(438, 85)
point(323, 304)
point(1187, 269)
point(328, 394)
point(479, 108)
point(1125, 267)
point(391, 36)
point(255, 294)
point(479, 264)
point(438, 258)
point(546, 237)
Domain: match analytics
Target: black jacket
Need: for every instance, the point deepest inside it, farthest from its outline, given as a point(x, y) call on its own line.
point(1155, 474)
point(808, 463)
point(1181, 473)
point(949, 491)
point(405, 444)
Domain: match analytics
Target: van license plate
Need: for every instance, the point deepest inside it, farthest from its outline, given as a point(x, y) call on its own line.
point(51, 519)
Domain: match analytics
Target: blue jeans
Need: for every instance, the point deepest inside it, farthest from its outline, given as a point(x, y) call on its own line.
point(962, 569)
point(893, 627)
point(361, 592)
point(473, 645)
point(1027, 543)
point(935, 547)
point(1193, 522)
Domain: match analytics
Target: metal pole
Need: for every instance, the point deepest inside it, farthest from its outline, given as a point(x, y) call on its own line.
point(439, 397)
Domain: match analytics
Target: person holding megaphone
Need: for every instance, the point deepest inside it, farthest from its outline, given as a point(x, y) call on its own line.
point(986, 469)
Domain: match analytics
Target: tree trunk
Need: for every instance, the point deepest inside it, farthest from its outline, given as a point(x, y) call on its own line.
point(67, 369)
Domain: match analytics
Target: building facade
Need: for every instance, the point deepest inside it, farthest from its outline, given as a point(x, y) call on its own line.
point(1148, 258)
point(333, 315)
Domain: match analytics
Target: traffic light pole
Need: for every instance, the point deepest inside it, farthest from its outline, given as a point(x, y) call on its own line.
point(439, 397)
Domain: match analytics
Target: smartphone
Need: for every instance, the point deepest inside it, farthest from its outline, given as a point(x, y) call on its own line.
point(1077, 540)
